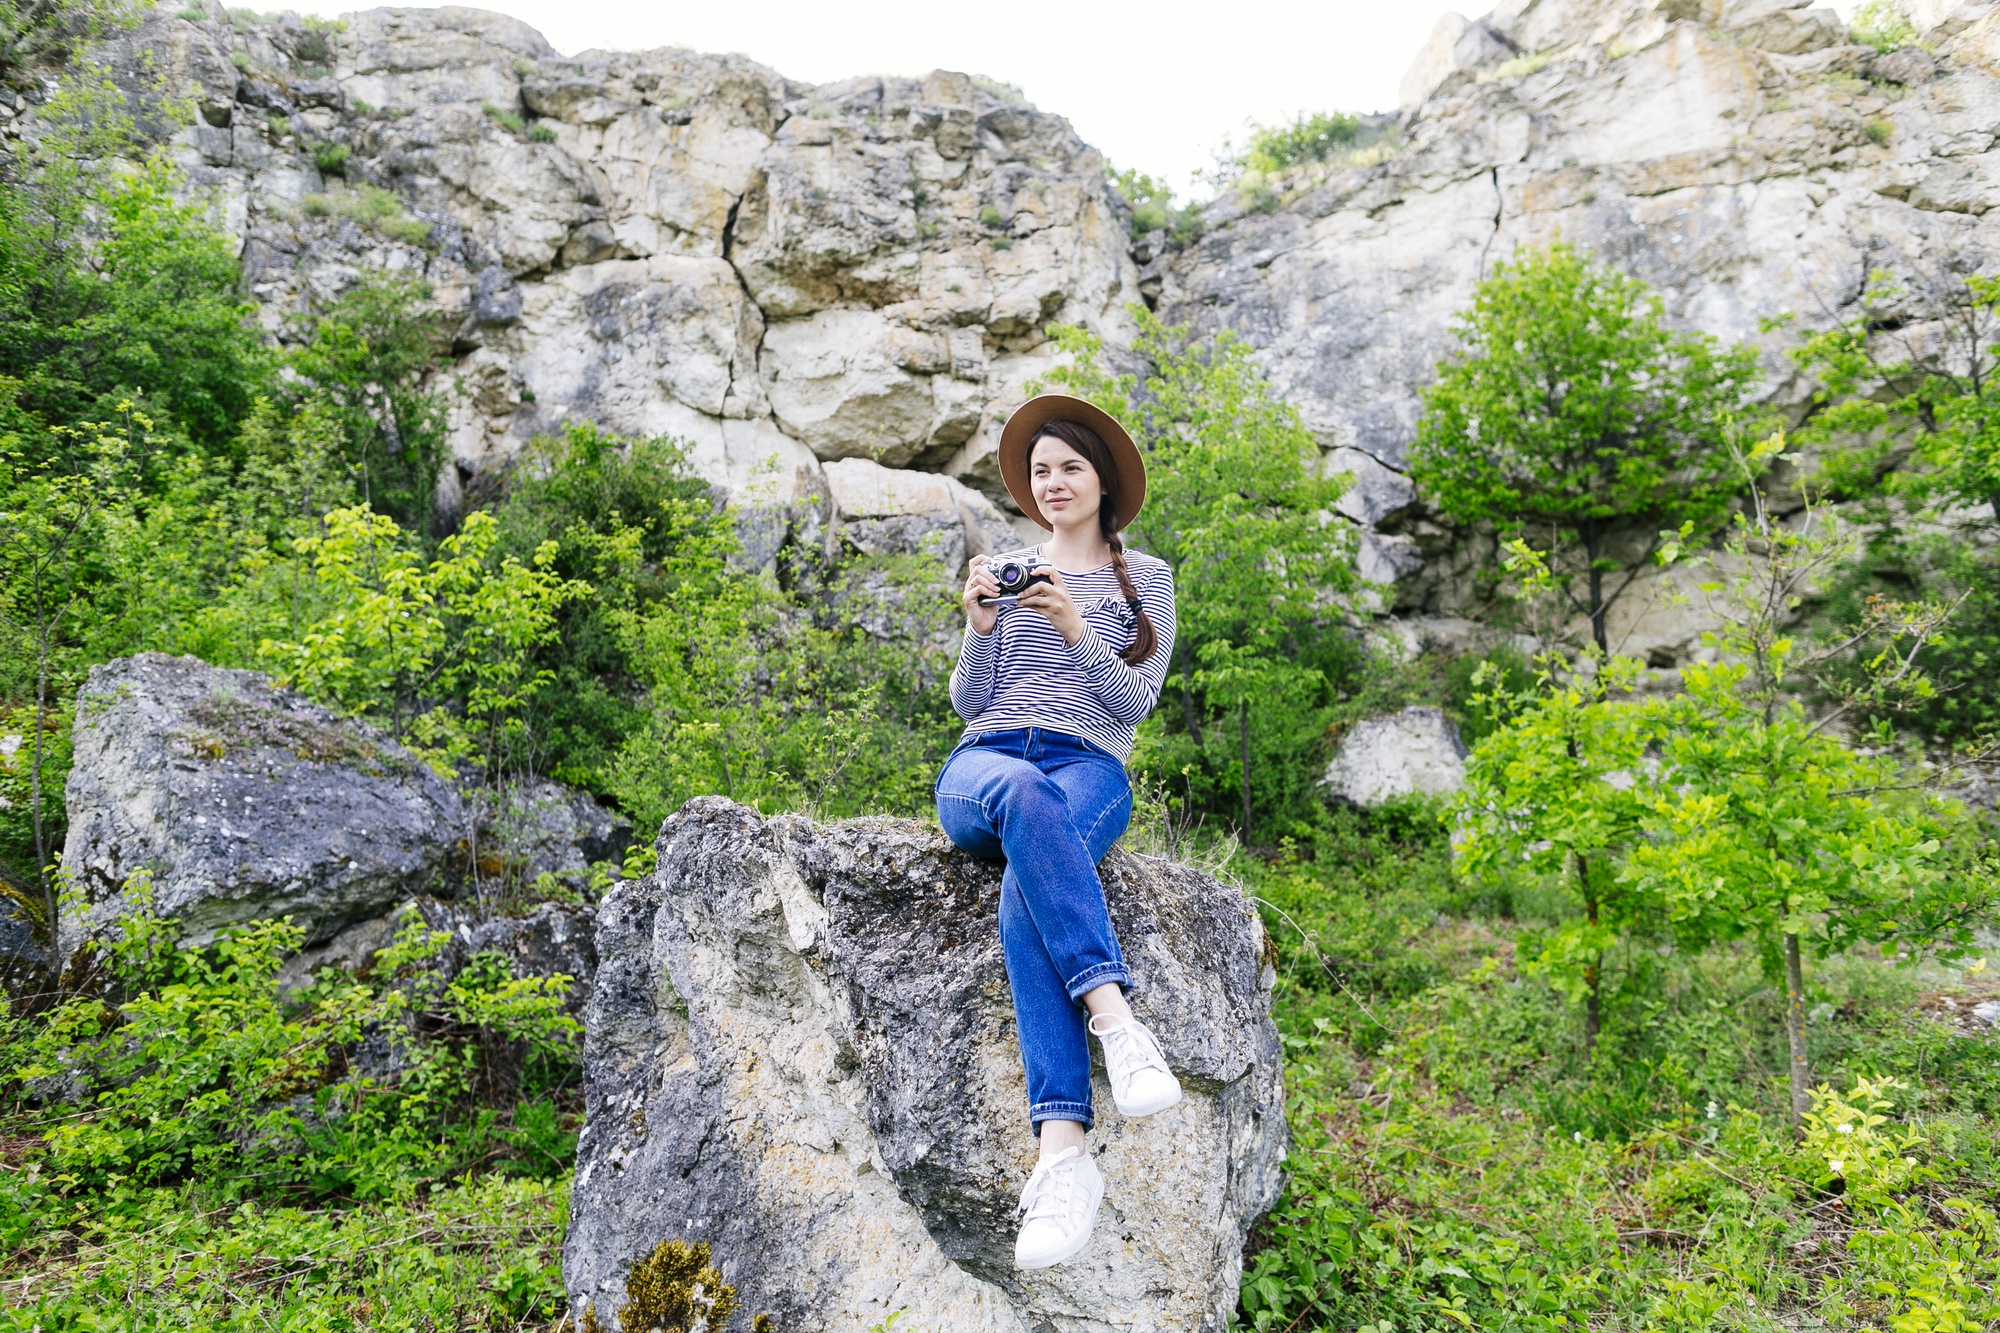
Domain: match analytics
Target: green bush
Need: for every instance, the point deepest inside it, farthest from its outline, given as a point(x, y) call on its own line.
point(331, 158)
point(1883, 25)
point(198, 1067)
point(541, 133)
point(1309, 138)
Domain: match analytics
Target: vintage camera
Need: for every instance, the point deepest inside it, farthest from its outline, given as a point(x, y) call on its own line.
point(1015, 573)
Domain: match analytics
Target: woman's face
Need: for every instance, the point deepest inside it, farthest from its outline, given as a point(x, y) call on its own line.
point(1064, 484)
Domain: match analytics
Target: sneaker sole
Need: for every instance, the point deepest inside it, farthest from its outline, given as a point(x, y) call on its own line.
point(1139, 1110)
point(1076, 1243)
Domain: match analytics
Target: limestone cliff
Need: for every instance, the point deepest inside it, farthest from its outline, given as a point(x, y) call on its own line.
point(1739, 155)
point(791, 275)
point(663, 242)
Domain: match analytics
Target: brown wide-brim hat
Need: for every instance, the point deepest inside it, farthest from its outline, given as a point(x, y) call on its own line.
point(1017, 442)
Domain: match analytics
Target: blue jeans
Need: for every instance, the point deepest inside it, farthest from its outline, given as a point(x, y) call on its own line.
point(1052, 805)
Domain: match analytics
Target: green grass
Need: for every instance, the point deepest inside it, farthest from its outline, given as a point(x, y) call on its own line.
point(483, 1254)
point(1460, 1162)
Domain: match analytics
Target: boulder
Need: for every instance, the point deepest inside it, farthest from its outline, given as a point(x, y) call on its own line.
point(538, 826)
point(242, 802)
point(1416, 752)
point(801, 1049)
point(891, 511)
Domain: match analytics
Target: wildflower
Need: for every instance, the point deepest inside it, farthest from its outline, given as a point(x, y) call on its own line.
point(1836, 1166)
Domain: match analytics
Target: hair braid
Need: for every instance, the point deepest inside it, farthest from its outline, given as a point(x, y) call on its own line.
point(1144, 638)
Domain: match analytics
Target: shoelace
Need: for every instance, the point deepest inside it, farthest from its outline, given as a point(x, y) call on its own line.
point(1051, 1186)
point(1132, 1048)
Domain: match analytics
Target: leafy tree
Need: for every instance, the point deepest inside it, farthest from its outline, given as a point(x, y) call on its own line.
point(369, 358)
point(1237, 508)
point(1763, 822)
point(1574, 412)
point(783, 700)
point(110, 288)
point(1558, 791)
point(438, 647)
point(617, 512)
point(1907, 429)
point(1909, 393)
point(51, 510)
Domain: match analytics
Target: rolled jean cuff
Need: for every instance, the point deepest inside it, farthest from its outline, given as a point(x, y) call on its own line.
point(1077, 1111)
point(1092, 977)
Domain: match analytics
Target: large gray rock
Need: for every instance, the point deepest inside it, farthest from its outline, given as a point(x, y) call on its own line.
point(241, 802)
point(801, 1049)
point(1416, 752)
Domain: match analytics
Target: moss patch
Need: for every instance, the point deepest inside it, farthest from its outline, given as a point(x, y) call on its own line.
point(229, 724)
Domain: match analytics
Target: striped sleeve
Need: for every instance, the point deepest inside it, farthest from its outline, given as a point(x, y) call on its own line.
point(1127, 692)
point(972, 678)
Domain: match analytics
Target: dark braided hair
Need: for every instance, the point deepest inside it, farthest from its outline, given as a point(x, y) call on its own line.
point(1095, 452)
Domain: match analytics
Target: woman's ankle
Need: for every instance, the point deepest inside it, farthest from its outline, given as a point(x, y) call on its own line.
point(1107, 1000)
point(1056, 1135)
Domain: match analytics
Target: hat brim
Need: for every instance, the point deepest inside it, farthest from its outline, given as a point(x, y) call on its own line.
point(1017, 441)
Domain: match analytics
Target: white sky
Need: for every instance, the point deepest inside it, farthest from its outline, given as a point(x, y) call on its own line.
point(1156, 86)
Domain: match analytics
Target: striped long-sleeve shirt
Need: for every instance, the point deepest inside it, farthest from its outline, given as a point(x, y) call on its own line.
point(1024, 675)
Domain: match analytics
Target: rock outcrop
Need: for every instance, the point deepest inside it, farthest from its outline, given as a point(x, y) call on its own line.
point(792, 276)
point(1416, 752)
point(662, 242)
point(240, 802)
point(801, 1049)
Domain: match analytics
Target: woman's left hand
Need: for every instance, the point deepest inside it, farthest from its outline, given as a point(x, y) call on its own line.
point(1052, 601)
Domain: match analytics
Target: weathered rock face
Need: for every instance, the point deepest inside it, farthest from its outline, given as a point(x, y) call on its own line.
point(1416, 752)
point(791, 276)
point(242, 802)
point(662, 242)
point(1738, 155)
point(801, 1049)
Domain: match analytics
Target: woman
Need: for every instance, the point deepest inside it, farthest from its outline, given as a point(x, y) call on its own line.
point(1051, 687)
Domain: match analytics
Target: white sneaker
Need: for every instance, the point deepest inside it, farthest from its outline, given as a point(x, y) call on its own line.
point(1141, 1083)
point(1058, 1208)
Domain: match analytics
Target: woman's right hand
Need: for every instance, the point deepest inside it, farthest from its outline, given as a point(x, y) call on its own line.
point(979, 583)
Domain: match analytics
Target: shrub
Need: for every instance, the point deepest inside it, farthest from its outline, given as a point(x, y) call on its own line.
point(1574, 410)
point(331, 158)
point(540, 133)
point(1309, 138)
point(200, 1067)
point(1883, 25)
